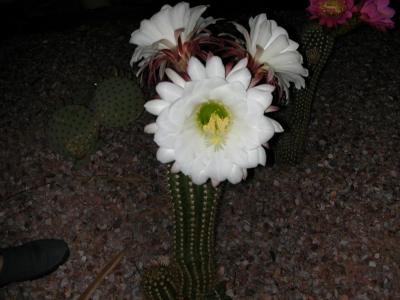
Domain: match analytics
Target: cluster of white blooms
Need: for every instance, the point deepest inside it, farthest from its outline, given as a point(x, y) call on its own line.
point(211, 121)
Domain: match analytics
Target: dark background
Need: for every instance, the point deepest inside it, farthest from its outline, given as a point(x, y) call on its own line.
point(42, 15)
point(24, 16)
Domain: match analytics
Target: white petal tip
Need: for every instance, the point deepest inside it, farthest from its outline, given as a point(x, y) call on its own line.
point(151, 128)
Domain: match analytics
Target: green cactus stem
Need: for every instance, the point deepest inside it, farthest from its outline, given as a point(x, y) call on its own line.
point(162, 282)
point(194, 210)
point(73, 131)
point(118, 102)
point(317, 45)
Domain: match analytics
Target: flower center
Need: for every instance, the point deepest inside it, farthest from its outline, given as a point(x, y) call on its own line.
point(333, 8)
point(213, 119)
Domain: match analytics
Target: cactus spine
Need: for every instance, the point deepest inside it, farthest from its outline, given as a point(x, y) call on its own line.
point(317, 46)
point(194, 210)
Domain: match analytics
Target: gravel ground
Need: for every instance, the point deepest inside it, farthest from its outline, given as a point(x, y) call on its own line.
point(327, 228)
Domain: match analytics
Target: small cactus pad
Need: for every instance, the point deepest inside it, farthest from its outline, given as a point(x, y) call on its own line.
point(118, 101)
point(73, 131)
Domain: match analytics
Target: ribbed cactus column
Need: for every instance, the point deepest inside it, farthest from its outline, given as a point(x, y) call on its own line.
point(194, 208)
point(317, 45)
point(163, 282)
point(192, 271)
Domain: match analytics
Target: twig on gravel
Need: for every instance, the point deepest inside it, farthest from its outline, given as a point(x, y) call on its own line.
point(103, 273)
point(25, 190)
point(137, 179)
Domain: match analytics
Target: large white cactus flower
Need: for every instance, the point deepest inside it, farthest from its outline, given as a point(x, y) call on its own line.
point(164, 29)
point(212, 126)
point(270, 45)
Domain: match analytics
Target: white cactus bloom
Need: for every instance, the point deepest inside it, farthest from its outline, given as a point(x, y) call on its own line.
point(269, 44)
point(164, 28)
point(212, 126)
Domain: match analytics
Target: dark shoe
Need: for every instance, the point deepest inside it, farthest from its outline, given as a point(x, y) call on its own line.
point(32, 260)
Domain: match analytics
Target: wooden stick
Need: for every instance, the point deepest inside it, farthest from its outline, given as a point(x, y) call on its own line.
point(103, 273)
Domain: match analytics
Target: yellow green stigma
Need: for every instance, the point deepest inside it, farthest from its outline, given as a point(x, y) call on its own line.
point(333, 7)
point(213, 119)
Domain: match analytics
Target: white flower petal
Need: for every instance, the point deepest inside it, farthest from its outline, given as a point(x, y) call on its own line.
point(243, 31)
point(280, 53)
point(243, 76)
point(214, 182)
point(266, 130)
point(177, 15)
point(151, 31)
point(156, 106)
point(199, 177)
point(195, 14)
point(279, 45)
point(165, 155)
point(162, 22)
point(169, 91)
point(278, 127)
point(151, 128)
point(215, 67)
point(265, 87)
point(262, 156)
point(196, 69)
point(158, 32)
point(231, 94)
point(175, 167)
point(175, 77)
point(236, 174)
point(198, 171)
point(252, 158)
point(241, 64)
point(263, 97)
point(140, 38)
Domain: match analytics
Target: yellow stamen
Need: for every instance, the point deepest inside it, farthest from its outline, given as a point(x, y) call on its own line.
point(216, 128)
point(333, 7)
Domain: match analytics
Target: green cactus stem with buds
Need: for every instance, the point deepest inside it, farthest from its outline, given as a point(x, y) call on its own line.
point(317, 45)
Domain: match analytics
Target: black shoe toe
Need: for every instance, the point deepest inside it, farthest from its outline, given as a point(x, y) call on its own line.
point(32, 260)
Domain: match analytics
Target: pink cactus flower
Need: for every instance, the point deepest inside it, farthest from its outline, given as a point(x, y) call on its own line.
point(377, 13)
point(331, 12)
